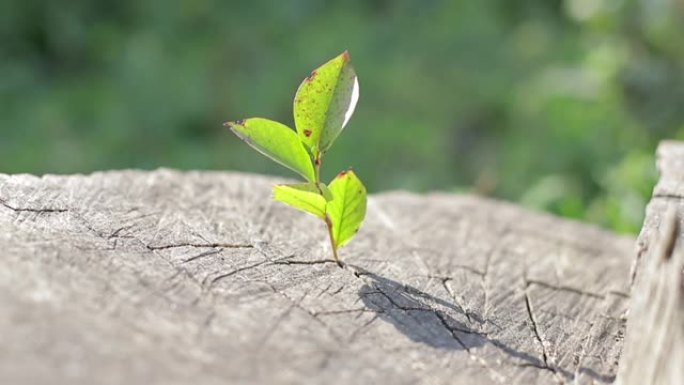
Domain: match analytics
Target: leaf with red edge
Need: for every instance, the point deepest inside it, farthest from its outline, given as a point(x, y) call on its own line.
point(325, 102)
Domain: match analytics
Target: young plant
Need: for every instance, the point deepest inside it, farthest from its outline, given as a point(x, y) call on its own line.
point(323, 105)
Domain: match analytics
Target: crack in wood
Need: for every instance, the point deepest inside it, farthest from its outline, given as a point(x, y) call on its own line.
point(344, 311)
point(207, 245)
point(668, 196)
point(201, 255)
point(31, 210)
point(305, 262)
point(451, 331)
point(537, 334)
point(452, 295)
point(567, 289)
point(535, 329)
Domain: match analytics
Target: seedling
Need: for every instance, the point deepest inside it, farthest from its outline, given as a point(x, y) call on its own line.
point(323, 105)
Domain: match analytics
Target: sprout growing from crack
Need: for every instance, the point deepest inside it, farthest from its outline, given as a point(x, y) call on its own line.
point(323, 105)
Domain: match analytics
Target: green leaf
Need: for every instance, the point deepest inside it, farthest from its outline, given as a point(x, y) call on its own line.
point(324, 103)
point(303, 196)
point(277, 141)
point(348, 207)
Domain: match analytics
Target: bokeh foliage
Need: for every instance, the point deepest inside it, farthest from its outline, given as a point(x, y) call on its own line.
point(555, 104)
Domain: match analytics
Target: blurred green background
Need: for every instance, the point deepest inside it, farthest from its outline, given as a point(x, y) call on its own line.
point(556, 104)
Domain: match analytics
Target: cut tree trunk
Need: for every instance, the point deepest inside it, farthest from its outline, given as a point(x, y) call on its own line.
point(172, 278)
point(654, 346)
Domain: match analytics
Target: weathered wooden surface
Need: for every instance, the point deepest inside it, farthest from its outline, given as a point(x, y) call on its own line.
point(174, 278)
point(654, 344)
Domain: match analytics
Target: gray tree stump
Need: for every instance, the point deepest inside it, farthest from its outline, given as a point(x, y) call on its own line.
point(174, 278)
point(654, 347)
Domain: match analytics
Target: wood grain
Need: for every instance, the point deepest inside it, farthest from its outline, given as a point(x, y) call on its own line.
point(654, 347)
point(166, 277)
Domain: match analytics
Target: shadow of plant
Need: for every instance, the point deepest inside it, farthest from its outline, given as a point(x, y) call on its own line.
point(427, 319)
point(419, 316)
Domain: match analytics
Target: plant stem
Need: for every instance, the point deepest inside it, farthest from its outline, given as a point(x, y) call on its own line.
point(317, 167)
point(328, 223)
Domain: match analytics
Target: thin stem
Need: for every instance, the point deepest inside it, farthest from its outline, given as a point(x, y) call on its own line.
point(317, 168)
point(328, 222)
point(333, 246)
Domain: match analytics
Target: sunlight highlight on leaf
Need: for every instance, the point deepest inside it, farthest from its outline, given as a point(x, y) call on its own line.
point(324, 103)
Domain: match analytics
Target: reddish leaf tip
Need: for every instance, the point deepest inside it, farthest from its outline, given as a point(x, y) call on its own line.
point(239, 122)
point(345, 55)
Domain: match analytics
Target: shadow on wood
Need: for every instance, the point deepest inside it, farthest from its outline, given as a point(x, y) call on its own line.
point(422, 318)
